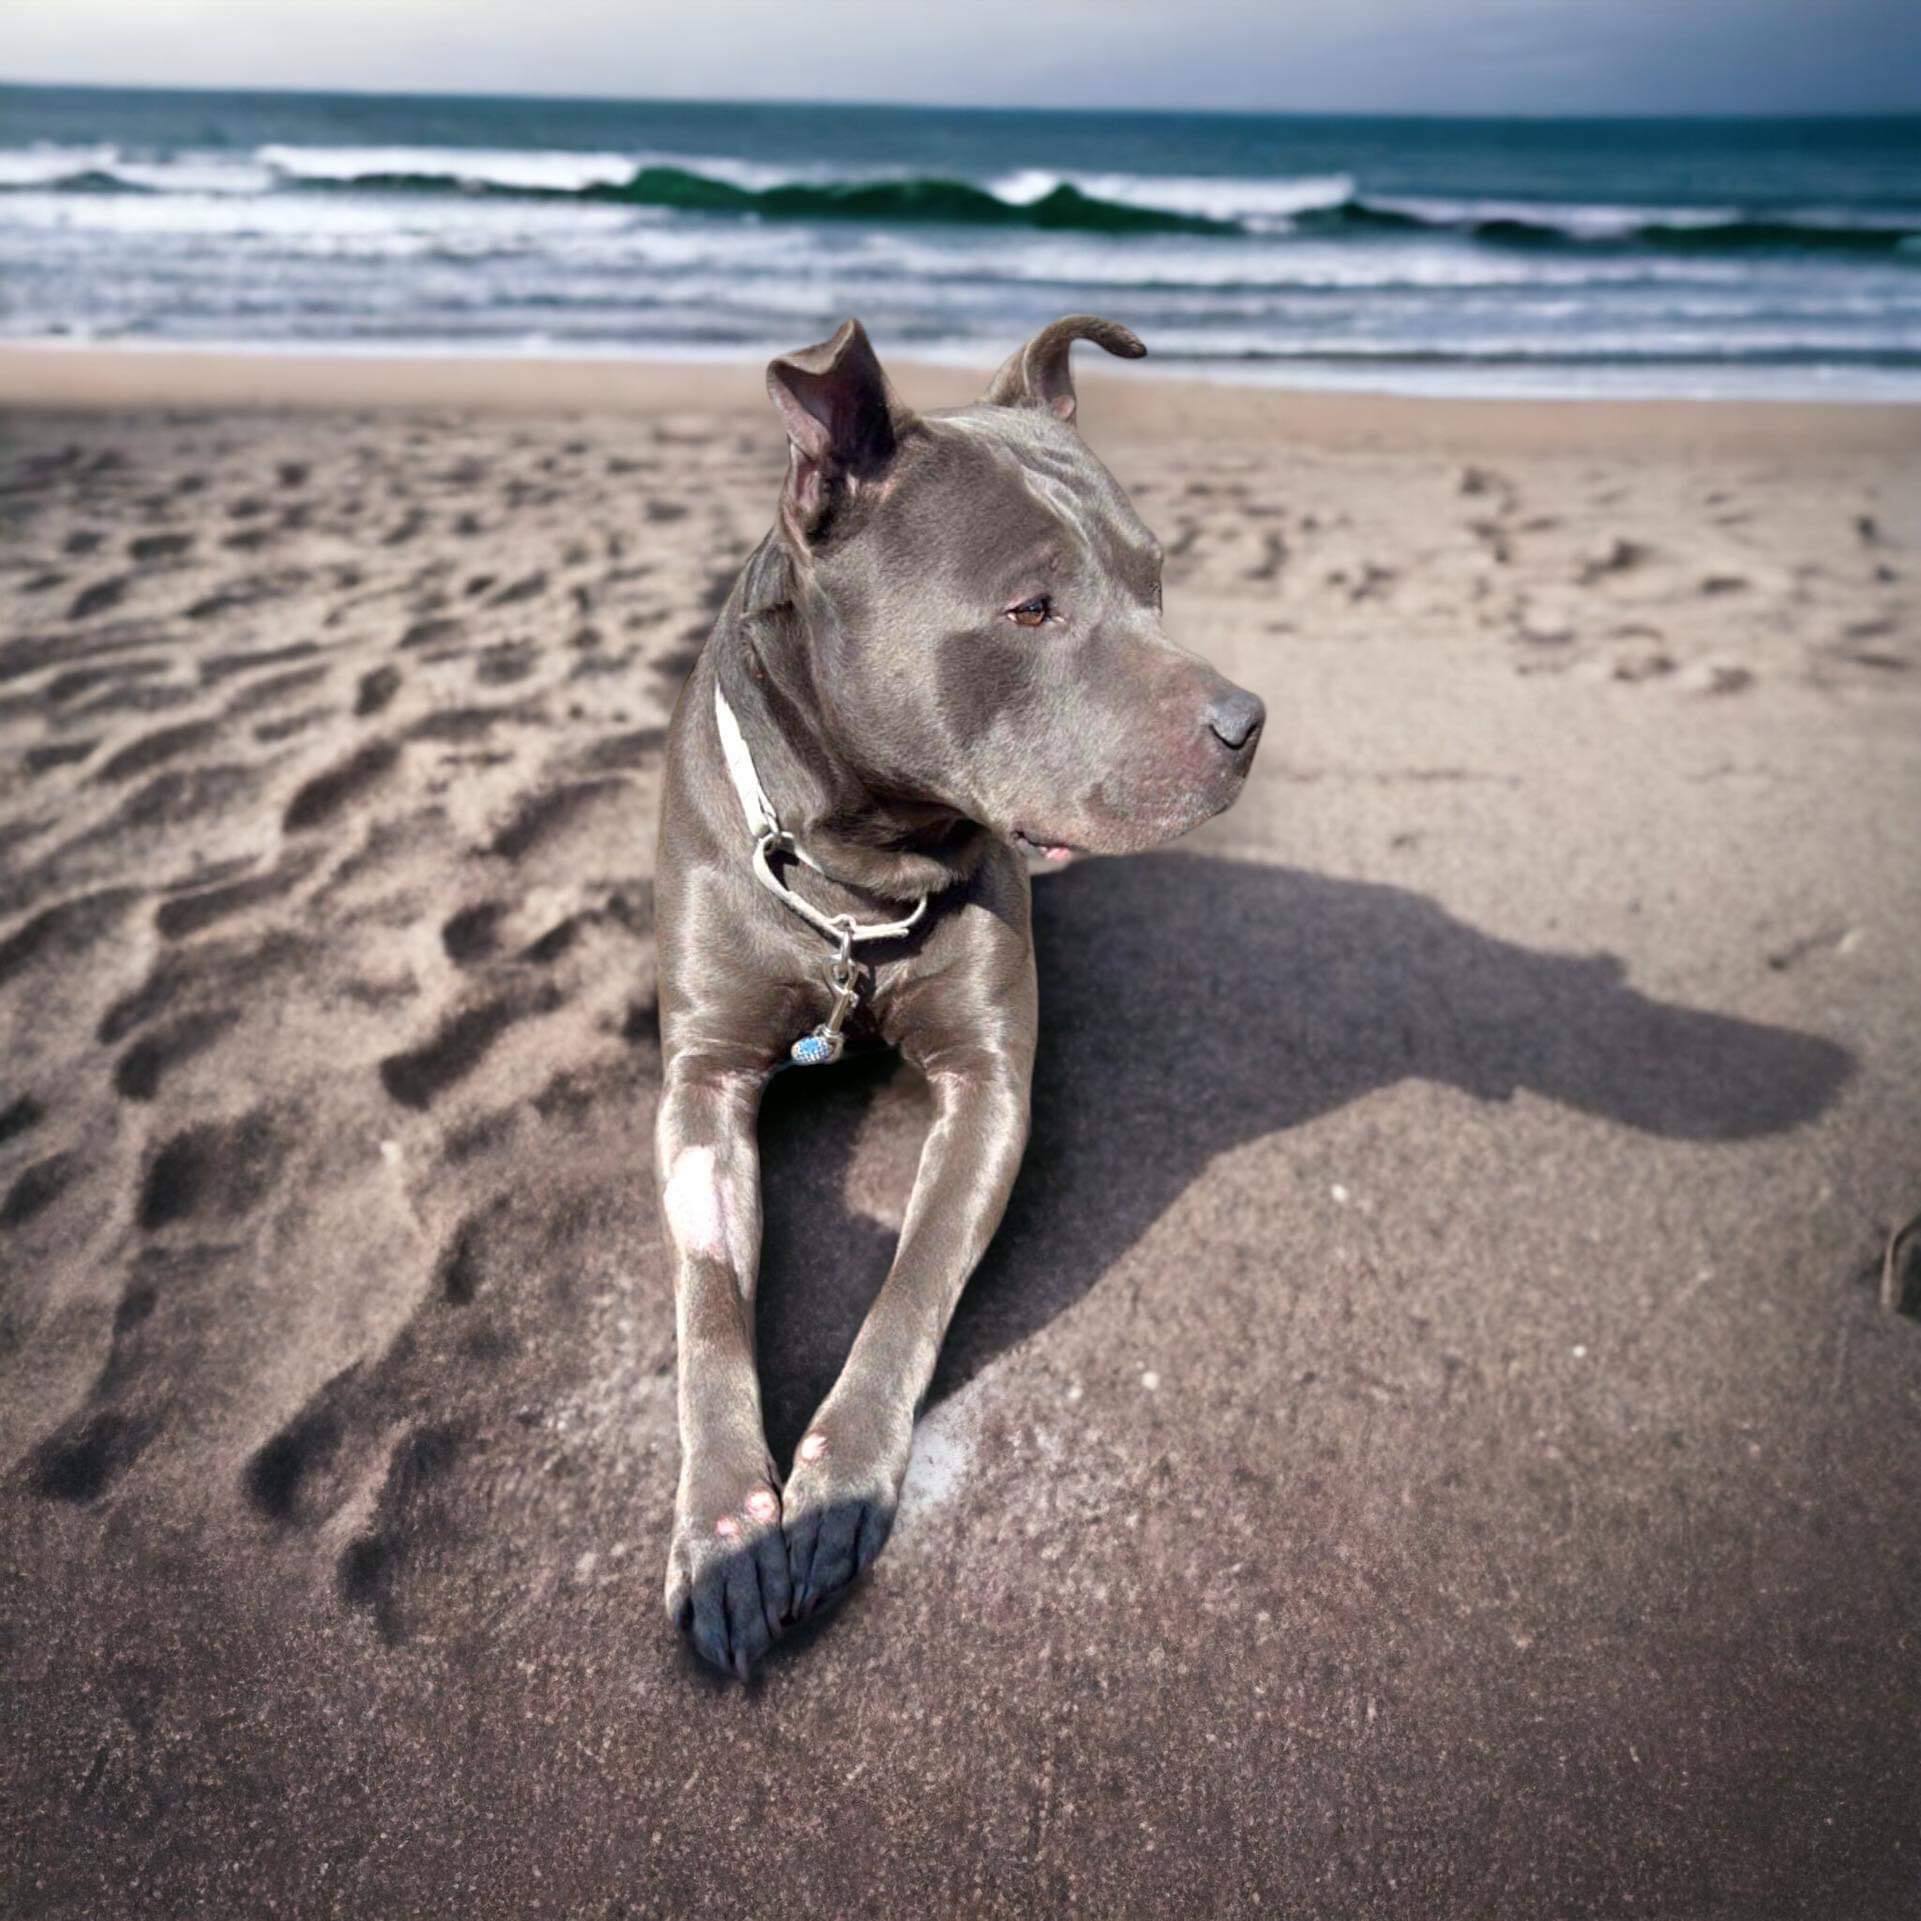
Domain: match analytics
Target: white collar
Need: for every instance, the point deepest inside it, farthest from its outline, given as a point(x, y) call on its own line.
point(761, 818)
point(770, 837)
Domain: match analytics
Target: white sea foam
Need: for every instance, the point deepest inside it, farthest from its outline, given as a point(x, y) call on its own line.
point(537, 171)
point(1256, 203)
point(43, 163)
point(540, 171)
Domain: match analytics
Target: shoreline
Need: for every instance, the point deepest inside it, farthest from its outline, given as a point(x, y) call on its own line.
point(41, 379)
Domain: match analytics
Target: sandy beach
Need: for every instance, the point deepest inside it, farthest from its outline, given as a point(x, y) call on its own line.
point(1426, 1442)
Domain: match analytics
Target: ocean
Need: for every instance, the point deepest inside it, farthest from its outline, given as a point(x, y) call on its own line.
point(1715, 257)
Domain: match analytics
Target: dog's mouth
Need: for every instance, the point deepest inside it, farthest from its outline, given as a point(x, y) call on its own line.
point(1058, 853)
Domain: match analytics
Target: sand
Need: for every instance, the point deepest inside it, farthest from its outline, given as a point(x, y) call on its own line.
point(1425, 1443)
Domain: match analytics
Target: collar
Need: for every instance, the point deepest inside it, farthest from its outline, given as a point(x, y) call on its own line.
point(770, 838)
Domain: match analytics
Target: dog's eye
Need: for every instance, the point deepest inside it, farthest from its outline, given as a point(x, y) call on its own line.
point(1031, 613)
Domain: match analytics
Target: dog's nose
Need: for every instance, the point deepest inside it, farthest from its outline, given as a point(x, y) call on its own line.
point(1235, 718)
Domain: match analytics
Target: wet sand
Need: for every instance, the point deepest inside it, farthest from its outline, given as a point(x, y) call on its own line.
point(1425, 1442)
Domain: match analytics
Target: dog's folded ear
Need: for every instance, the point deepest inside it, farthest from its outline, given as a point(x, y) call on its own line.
point(1038, 374)
point(843, 423)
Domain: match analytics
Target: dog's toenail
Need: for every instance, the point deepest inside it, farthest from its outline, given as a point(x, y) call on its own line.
point(727, 1527)
point(813, 1447)
point(762, 1505)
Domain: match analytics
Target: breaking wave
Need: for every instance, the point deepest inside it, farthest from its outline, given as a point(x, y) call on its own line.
point(1325, 207)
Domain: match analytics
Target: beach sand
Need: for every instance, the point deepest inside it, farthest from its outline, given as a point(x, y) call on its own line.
point(1425, 1442)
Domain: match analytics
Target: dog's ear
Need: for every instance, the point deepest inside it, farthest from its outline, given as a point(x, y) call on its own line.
point(843, 423)
point(1038, 374)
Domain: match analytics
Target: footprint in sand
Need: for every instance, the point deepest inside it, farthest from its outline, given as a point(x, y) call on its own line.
point(275, 689)
point(191, 913)
point(1617, 556)
point(250, 590)
point(376, 690)
point(138, 1072)
point(38, 1185)
point(528, 588)
point(58, 753)
point(437, 632)
point(220, 1168)
point(420, 1075)
point(501, 666)
point(322, 797)
point(548, 815)
point(473, 934)
point(153, 750)
point(99, 598)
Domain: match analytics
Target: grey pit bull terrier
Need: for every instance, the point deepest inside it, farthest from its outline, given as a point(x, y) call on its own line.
point(944, 660)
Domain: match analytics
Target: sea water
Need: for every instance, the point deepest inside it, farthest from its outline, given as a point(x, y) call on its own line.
point(1720, 257)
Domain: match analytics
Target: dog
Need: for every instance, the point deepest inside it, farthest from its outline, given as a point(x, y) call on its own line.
point(945, 662)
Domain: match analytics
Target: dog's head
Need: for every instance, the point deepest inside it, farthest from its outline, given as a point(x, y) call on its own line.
point(986, 605)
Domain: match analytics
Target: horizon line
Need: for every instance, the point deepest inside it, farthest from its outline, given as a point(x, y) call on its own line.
point(1799, 115)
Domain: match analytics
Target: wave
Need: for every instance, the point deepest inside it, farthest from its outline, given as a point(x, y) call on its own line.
point(85, 180)
point(930, 200)
point(48, 167)
point(1328, 207)
point(46, 164)
point(541, 167)
point(1683, 231)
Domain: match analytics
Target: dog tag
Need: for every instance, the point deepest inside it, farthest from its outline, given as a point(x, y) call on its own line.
point(824, 1044)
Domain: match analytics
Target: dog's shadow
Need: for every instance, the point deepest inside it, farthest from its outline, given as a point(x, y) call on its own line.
point(1190, 1004)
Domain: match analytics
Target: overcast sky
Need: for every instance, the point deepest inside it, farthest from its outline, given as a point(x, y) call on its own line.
point(1441, 56)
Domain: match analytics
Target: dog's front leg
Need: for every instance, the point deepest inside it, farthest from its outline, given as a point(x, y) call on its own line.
point(727, 1568)
point(840, 1498)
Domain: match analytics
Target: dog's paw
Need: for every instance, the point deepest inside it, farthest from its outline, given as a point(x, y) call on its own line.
point(727, 1584)
point(838, 1507)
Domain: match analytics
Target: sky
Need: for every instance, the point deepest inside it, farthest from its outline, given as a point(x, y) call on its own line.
point(1352, 56)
